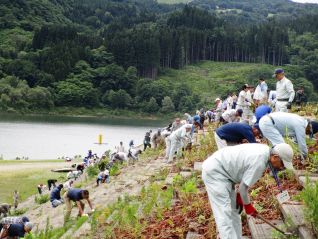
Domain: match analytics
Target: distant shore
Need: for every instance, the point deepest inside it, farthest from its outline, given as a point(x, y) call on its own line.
point(81, 112)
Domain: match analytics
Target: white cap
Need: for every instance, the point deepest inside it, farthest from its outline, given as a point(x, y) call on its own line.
point(29, 225)
point(188, 126)
point(285, 152)
point(217, 99)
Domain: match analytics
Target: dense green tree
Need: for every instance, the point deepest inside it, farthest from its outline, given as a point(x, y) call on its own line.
point(74, 92)
point(119, 99)
point(167, 105)
point(152, 106)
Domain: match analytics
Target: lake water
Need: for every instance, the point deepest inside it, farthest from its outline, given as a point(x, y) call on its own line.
point(51, 137)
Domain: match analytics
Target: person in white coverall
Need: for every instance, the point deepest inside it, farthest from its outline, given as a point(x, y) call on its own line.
point(284, 91)
point(176, 140)
point(244, 103)
point(277, 125)
point(244, 165)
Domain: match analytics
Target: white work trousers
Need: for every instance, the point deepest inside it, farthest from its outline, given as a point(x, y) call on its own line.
point(281, 106)
point(270, 132)
point(221, 143)
point(222, 198)
point(172, 146)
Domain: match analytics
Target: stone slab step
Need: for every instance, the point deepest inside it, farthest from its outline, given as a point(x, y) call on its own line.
point(261, 230)
point(304, 173)
point(306, 233)
point(169, 178)
point(302, 180)
point(193, 235)
point(198, 166)
point(295, 213)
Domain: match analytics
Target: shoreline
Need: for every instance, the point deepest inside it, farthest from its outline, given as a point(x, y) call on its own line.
point(95, 113)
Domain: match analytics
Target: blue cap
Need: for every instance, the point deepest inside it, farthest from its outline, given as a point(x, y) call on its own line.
point(196, 118)
point(278, 71)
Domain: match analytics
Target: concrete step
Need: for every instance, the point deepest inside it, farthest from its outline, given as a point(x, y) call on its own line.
point(295, 212)
point(304, 173)
point(302, 180)
point(261, 230)
point(198, 166)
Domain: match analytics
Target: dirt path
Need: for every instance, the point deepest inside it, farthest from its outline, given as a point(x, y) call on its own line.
point(130, 181)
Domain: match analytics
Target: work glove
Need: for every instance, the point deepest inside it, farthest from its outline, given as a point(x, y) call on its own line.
point(250, 210)
point(289, 104)
point(239, 203)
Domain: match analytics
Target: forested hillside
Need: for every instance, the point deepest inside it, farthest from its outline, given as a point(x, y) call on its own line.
point(102, 53)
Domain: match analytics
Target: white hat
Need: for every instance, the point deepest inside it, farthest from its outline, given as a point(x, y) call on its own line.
point(217, 99)
point(285, 152)
point(188, 126)
point(29, 225)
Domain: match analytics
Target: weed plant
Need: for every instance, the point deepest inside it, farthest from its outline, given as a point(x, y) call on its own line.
point(309, 196)
point(92, 171)
point(41, 199)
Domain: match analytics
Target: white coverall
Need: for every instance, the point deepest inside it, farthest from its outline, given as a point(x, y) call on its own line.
point(176, 141)
point(218, 111)
point(285, 124)
point(243, 102)
point(229, 116)
point(221, 171)
point(284, 93)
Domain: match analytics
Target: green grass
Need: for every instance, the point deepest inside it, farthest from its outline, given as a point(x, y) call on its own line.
point(215, 79)
point(211, 79)
point(25, 182)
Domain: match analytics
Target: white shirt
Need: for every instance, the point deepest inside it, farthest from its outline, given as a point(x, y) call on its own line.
point(229, 115)
point(67, 185)
point(219, 107)
point(272, 97)
point(258, 93)
point(242, 163)
point(106, 172)
point(229, 101)
point(180, 134)
point(285, 90)
point(241, 100)
point(121, 148)
point(292, 125)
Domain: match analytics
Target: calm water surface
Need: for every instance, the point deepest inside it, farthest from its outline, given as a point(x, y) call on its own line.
point(44, 137)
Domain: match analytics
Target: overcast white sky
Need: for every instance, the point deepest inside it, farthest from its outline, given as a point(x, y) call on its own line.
point(309, 1)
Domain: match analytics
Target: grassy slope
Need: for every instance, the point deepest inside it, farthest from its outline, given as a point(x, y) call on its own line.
point(216, 79)
point(25, 181)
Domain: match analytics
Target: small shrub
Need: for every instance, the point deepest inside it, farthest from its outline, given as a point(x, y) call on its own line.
point(190, 186)
point(114, 170)
point(18, 212)
point(102, 165)
point(41, 199)
point(92, 171)
point(310, 198)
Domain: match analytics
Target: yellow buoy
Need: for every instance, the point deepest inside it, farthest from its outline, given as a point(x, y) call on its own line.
point(100, 139)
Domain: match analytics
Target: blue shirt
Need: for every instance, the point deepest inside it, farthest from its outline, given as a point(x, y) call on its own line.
point(16, 230)
point(75, 194)
point(261, 111)
point(236, 132)
point(55, 194)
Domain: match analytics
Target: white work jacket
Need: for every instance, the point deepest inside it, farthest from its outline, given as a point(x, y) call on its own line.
point(285, 90)
point(242, 163)
point(229, 115)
